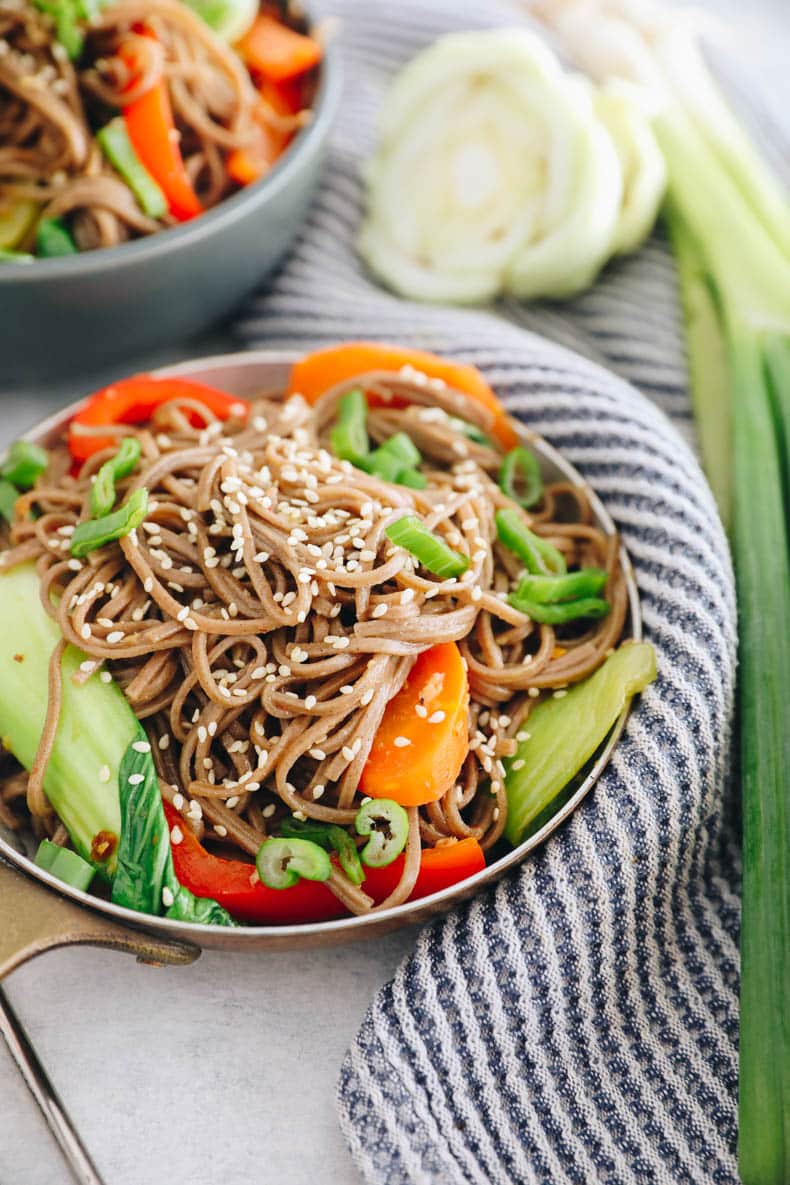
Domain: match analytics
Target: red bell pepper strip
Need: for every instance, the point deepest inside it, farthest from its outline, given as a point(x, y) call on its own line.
point(154, 136)
point(133, 401)
point(235, 885)
point(439, 868)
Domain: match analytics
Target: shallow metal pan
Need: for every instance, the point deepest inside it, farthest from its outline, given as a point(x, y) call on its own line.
point(33, 918)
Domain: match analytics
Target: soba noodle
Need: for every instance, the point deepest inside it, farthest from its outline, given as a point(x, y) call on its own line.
point(261, 620)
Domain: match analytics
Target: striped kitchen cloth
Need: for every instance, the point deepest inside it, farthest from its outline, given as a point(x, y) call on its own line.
point(578, 1022)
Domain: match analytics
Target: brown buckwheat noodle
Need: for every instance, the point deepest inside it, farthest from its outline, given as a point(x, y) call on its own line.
point(260, 620)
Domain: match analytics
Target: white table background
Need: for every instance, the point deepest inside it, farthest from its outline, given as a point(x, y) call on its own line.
point(224, 1071)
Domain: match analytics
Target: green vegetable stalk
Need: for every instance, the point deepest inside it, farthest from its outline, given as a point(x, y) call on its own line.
point(100, 778)
point(565, 733)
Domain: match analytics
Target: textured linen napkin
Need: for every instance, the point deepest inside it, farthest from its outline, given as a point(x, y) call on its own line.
point(577, 1023)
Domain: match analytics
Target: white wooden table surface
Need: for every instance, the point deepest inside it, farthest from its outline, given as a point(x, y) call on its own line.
point(224, 1071)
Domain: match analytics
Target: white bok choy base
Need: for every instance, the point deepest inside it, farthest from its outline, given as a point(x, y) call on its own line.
point(494, 172)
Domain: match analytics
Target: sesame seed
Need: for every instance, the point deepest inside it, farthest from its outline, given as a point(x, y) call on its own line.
point(220, 830)
point(182, 613)
point(379, 611)
point(436, 717)
point(367, 696)
point(74, 565)
point(401, 742)
point(421, 710)
point(136, 779)
point(115, 636)
point(560, 694)
point(104, 773)
point(105, 676)
point(317, 754)
point(346, 689)
point(519, 764)
point(310, 702)
point(202, 734)
point(167, 897)
point(348, 753)
point(318, 791)
point(85, 631)
point(176, 835)
point(533, 692)
point(141, 746)
point(231, 802)
point(178, 801)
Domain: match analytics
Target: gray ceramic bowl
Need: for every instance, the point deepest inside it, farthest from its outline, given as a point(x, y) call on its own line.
point(59, 317)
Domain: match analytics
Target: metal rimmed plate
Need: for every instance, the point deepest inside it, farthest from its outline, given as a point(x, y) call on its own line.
point(245, 375)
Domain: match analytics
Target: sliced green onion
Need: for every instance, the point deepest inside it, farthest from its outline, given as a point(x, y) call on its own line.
point(230, 19)
point(412, 478)
point(53, 239)
point(383, 465)
point(331, 838)
point(114, 141)
point(403, 447)
point(16, 257)
point(281, 862)
point(8, 497)
point(121, 465)
point(470, 431)
point(548, 590)
point(396, 460)
point(97, 532)
point(537, 554)
point(66, 15)
point(349, 437)
point(24, 463)
point(66, 865)
point(387, 824)
point(520, 478)
point(431, 551)
point(592, 607)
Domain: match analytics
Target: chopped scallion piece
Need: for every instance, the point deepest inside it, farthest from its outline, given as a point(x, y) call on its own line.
point(97, 532)
point(24, 463)
point(520, 478)
point(66, 865)
point(16, 257)
point(331, 838)
point(537, 554)
point(413, 479)
point(548, 590)
point(8, 497)
point(121, 465)
point(114, 142)
point(548, 614)
point(387, 824)
point(349, 437)
point(281, 862)
point(431, 551)
point(54, 240)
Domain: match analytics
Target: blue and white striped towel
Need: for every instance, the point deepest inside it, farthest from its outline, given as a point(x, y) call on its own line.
point(577, 1023)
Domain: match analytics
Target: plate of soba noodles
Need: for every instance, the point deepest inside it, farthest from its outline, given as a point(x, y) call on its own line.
point(302, 647)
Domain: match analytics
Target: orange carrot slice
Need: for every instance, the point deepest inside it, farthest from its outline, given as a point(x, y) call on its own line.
point(317, 372)
point(277, 52)
point(423, 737)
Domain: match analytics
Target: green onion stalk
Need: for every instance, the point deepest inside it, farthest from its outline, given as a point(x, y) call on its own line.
point(729, 225)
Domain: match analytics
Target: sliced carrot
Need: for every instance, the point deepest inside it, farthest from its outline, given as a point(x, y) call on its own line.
point(416, 756)
point(277, 52)
point(149, 122)
point(317, 372)
point(249, 164)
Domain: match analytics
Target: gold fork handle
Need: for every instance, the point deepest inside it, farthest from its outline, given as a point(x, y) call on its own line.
point(34, 919)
